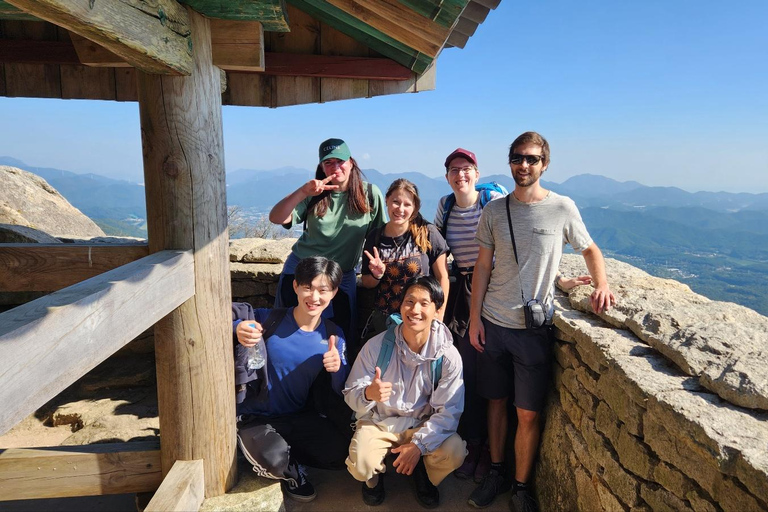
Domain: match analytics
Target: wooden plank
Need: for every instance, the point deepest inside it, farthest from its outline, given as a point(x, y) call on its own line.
point(27, 51)
point(51, 267)
point(82, 82)
point(237, 45)
point(90, 470)
point(183, 153)
point(280, 64)
point(248, 89)
point(364, 33)
point(334, 43)
point(399, 22)
point(272, 14)
point(153, 37)
point(9, 12)
point(335, 66)
point(31, 80)
point(49, 343)
point(182, 489)
point(305, 39)
point(125, 85)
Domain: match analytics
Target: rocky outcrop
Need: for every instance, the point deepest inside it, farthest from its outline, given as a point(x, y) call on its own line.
point(724, 345)
point(255, 267)
point(630, 427)
point(28, 200)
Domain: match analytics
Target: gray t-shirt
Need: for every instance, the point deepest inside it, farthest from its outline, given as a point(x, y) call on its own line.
point(541, 231)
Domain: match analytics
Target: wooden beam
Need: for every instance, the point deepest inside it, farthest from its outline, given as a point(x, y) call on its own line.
point(51, 267)
point(182, 488)
point(151, 36)
point(399, 22)
point(367, 35)
point(183, 151)
point(47, 344)
point(279, 64)
point(9, 12)
point(237, 45)
point(90, 470)
point(272, 14)
point(334, 66)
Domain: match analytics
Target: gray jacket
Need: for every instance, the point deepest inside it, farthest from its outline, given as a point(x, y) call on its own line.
point(414, 401)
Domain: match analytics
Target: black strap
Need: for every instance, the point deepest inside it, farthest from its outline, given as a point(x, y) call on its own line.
point(514, 249)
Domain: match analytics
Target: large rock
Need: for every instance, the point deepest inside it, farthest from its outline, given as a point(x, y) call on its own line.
point(259, 250)
point(724, 344)
point(28, 200)
point(20, 234)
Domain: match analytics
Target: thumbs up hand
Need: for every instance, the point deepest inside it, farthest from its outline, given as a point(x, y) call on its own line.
point(331, 359)
point(378, 390)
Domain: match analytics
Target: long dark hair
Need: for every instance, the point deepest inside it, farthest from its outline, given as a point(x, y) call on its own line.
point(416, 224)
point(357, 200)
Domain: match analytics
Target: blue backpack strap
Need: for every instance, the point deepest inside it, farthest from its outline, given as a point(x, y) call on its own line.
point(450, 201)
point(387, 347)
point(437, 371)
point(272, 321)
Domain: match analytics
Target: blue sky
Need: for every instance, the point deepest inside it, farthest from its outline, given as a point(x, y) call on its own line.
point(669, 93)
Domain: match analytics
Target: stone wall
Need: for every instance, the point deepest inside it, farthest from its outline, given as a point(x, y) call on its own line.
point(658, 405)
point(255, 265)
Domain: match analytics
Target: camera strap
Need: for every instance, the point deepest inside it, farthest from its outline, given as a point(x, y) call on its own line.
point(514, 249)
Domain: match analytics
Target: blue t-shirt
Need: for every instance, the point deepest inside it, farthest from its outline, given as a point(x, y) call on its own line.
point(294, 360)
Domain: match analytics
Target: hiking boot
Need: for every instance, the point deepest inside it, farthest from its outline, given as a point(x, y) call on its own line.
point(426, 493)
point(522, 501)
point(299, 488)
point(493, 484)
point(483, 464)
point(373, 496)
point(467, 468)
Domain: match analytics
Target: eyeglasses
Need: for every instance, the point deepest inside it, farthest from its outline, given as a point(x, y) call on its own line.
point(464, 170)
point(530, 159)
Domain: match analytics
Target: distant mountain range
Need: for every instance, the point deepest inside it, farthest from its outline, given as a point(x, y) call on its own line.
point(717, 242)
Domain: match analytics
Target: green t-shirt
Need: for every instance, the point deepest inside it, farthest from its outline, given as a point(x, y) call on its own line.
point(339, 234)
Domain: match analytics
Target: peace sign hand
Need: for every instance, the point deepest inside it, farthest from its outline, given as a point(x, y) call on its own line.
point(375, 264)
point(317, 187)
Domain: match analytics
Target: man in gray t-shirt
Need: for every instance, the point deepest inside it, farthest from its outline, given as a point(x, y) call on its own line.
point(542, 222)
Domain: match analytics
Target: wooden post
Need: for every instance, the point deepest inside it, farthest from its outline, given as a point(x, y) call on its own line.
point(183, 148)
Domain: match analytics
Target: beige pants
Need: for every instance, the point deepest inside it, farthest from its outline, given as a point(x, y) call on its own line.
point(371, 444)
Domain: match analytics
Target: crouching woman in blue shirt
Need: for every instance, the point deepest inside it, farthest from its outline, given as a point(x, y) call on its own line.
point(280, 427)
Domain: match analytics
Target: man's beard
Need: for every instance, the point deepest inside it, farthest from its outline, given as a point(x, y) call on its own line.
point(526, 181)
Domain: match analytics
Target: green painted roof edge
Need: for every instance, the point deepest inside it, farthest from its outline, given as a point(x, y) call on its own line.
point(371, 37)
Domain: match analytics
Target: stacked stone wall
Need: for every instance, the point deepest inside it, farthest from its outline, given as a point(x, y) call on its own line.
point(629, 428)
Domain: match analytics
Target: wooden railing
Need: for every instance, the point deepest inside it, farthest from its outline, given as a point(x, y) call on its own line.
point(49, 343)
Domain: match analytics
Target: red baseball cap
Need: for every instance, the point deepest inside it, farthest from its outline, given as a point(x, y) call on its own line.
point(463, 153)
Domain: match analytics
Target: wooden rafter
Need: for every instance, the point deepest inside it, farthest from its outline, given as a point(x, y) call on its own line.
point(90, 470)
point(278, 64)
point(271, 14)
point(151, 36)
point(237, 45)
point(399, 22)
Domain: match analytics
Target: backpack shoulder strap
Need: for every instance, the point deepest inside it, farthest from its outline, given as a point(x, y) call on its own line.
point(450, 201)
point(437, 371)
point(331, 329)
point(485, 197)
point(273, 320)
point(387, 347)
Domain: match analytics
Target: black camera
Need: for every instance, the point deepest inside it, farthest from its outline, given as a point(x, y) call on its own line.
point(535, 314)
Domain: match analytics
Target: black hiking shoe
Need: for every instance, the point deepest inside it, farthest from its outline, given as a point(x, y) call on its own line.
point(522, 501)
point(493, 484)
point(299, 488)
point(374, 496)
point(426, 493)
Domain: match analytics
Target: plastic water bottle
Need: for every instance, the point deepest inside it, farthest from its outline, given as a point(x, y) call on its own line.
point(256, 355)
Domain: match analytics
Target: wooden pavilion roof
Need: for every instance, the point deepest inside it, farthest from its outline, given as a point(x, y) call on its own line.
point(272, 52)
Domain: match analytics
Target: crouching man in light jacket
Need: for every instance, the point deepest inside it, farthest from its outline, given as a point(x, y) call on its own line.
point(409, 401)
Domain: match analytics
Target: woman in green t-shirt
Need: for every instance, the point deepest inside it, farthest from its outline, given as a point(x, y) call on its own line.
point(338, 210)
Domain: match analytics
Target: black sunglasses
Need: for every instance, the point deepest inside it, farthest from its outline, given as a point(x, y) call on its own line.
point(530, 159)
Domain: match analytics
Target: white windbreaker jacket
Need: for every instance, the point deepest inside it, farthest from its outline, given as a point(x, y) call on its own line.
point(414, 401)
